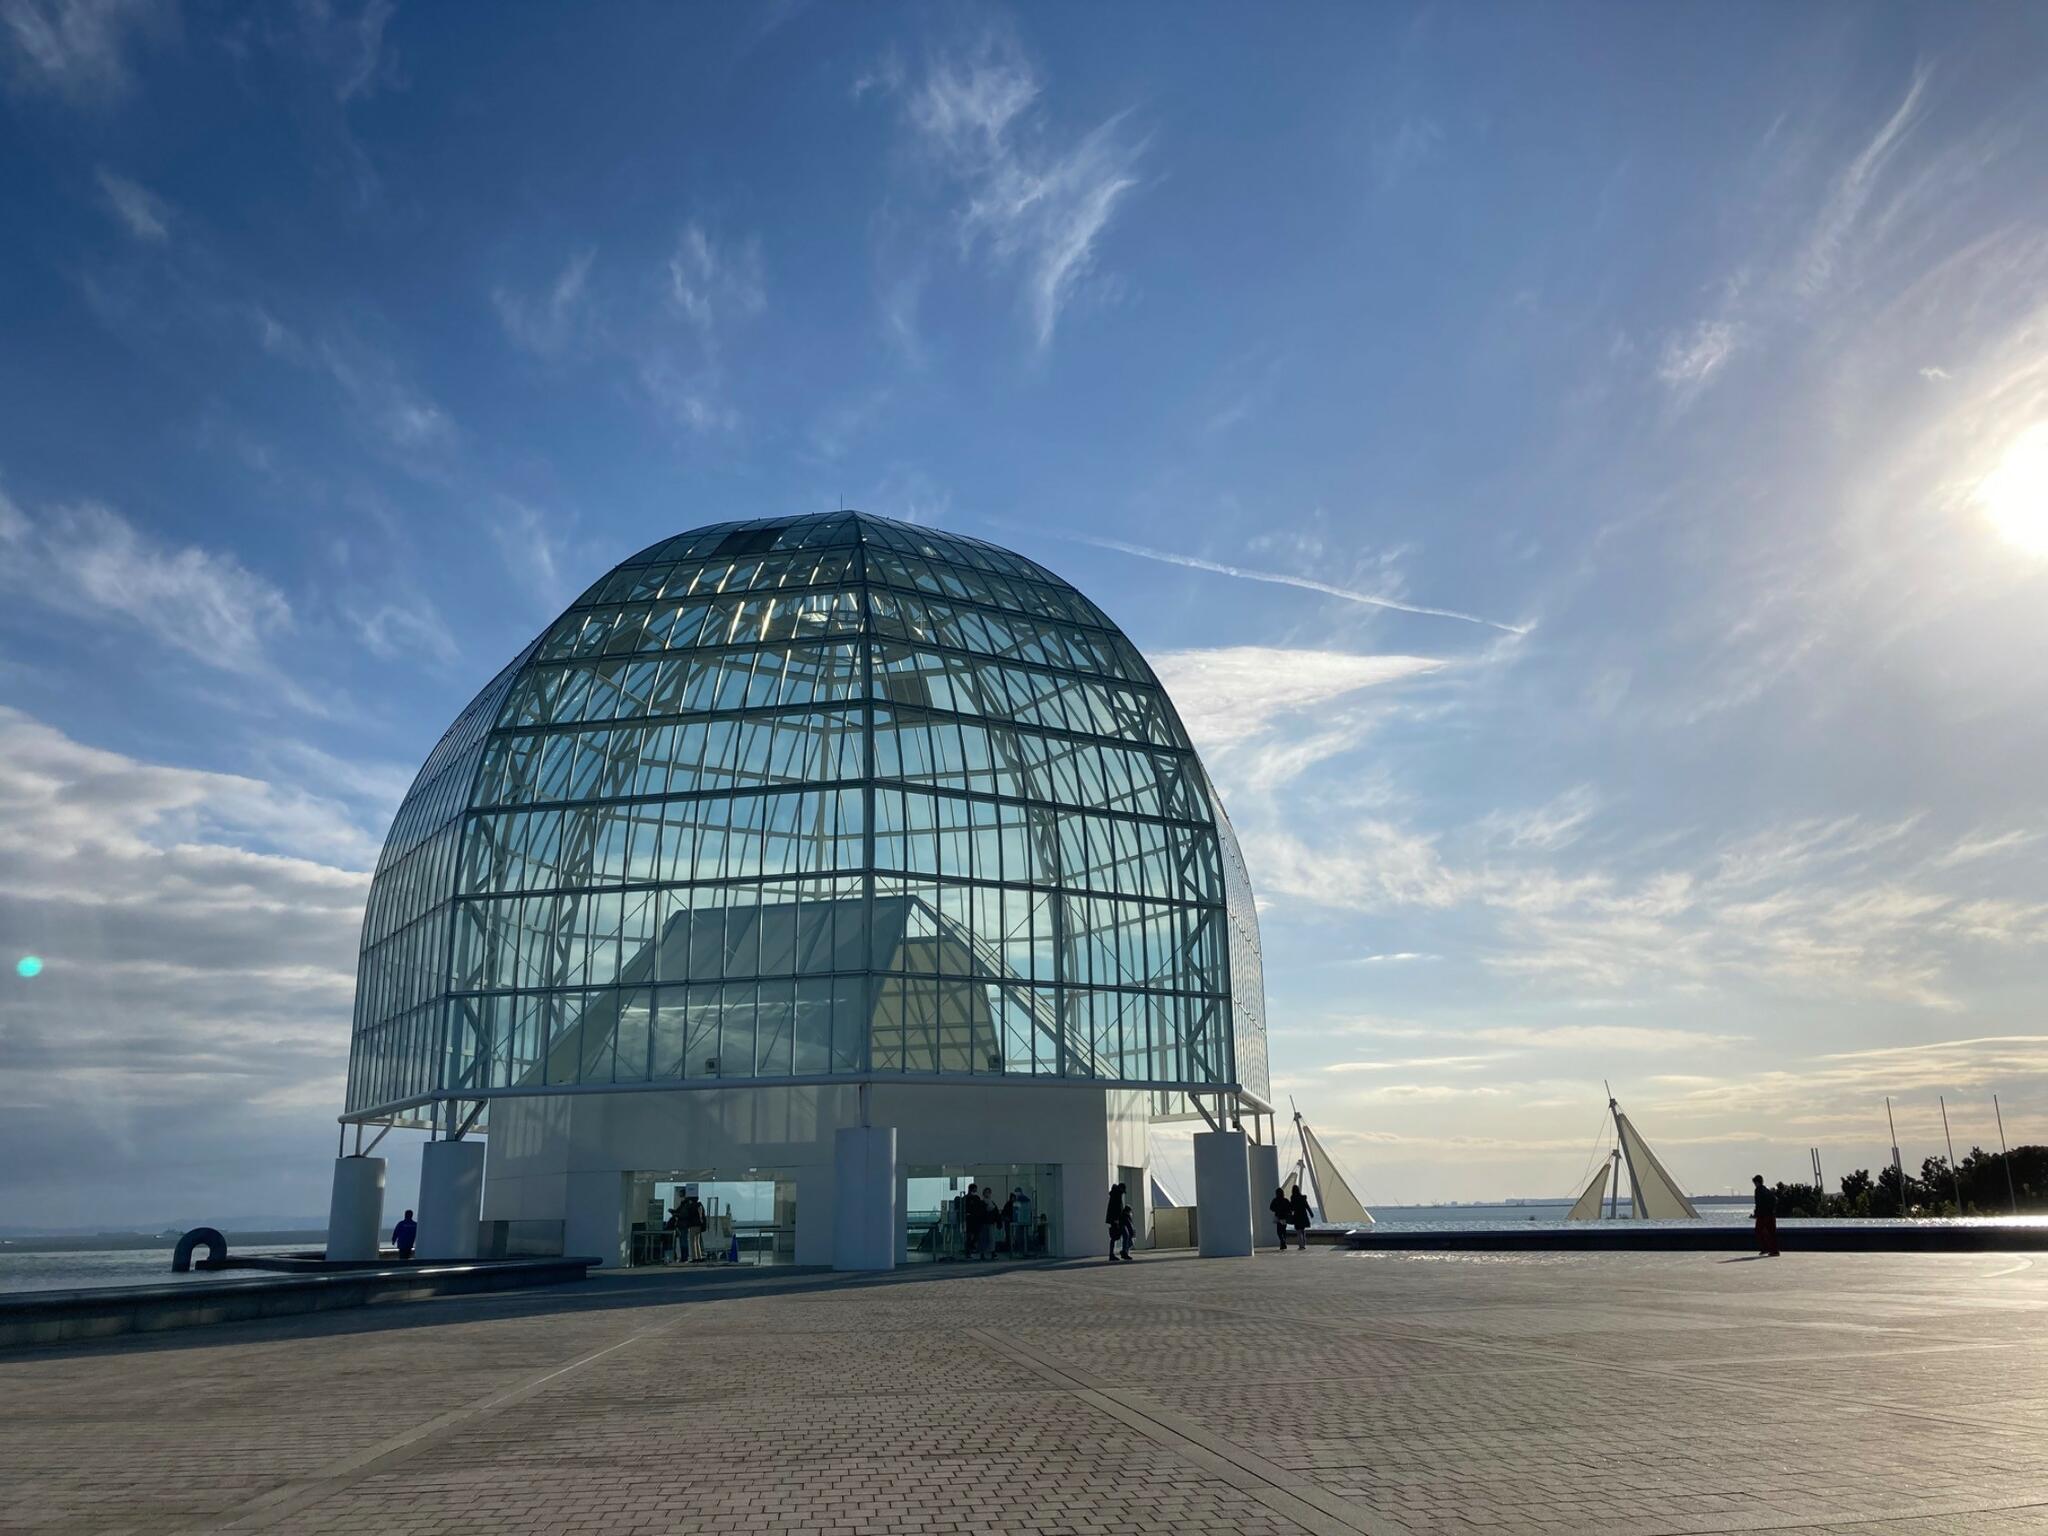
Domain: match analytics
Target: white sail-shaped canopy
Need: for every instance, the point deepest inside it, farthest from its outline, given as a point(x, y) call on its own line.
point(1587, 1206)
point(1653, 1192)
point(1340, 1206)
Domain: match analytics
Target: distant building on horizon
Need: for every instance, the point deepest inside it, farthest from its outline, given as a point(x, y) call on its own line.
point(821, 865)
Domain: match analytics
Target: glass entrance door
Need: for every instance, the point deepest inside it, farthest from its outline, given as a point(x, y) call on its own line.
point(748, 1215)
point(1013, 1212)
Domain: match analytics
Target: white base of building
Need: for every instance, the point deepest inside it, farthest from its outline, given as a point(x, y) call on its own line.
point(866, 1224)
point(451, 1199)
point(1223, 1192)
point(593, 1162)
point(355, 1211)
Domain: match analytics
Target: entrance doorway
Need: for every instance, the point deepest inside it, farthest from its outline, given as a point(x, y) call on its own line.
point(1020, 1202)
point(749, 1216)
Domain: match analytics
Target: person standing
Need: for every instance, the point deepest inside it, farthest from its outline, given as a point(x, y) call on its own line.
point(1115, 1217)
point(972, 1216)
point(1298, 1209)
point(1766, 1213)
point(694, 1222)
point(1283, 1212)
point(404, 1236)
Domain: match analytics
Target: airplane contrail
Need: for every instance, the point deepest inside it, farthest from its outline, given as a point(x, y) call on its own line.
point(1305, 582)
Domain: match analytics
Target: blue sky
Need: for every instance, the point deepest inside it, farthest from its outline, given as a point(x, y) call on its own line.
point(1579, 469)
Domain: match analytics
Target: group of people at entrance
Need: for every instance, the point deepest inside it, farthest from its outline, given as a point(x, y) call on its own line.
point(982, 1222)
point(689, 1220)
point(1291, 1210)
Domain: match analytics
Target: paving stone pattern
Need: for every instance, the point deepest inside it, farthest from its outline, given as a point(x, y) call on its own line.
point(1836, 1395)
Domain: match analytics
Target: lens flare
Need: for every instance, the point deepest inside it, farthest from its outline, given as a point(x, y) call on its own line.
point(29, 965)
point(2014, 496)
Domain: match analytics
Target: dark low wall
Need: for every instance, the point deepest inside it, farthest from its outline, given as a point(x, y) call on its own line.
point(1793, 1237)
point(58, 1317)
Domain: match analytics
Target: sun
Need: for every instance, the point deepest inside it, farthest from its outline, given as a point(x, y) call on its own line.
point(2014, 496)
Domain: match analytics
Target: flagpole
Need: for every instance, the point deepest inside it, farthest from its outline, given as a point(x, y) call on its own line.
point(1955, 1180)
point(2005, 1156)
point(1898, 1168)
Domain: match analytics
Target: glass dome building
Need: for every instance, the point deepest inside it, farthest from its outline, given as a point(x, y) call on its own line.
point(796, 826)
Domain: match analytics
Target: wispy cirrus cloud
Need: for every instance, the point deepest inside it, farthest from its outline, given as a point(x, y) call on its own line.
point(1281, 578)
point(1033, 200)
point(140, 211)
point(405, 417)
point(711, 286)
point(1692, 358)
point(86, 559)
point(1819, 261)
point(78, 48)
point(390, 631)
point(547, 325)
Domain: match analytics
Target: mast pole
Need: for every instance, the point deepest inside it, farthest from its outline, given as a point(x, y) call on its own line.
point(1314, 1183)
point(1955, 1179)
point(2005, 1156)
point(1614, 1190)
point(1635, 1185)
point(1898, 1167)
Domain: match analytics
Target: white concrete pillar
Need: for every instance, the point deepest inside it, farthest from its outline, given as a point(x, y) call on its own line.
point(1223, 1194)
point(594, 1216)
point(451, 1198)
point(1265, 1178)
point(355, 1211)
point(865, 1220)
point(903, 1217)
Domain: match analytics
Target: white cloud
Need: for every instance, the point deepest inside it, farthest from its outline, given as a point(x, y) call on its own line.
point(1229, 694)
point(532, 552)
point(1305, 583)
point(360, 48)
point(145, 215)
point(1820, 261)
point(88, 561)
point(1549, 827)
point(1398, 154)
point(547, 327)
point(77, 48)
point(391, 631)
point(1691, 359)
point(199, 935)
point(370, 379)
point(712, 286)
point(1032, 204)
point(1594, 1038)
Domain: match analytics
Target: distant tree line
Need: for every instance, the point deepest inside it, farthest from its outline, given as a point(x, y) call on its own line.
point(1932, 1192)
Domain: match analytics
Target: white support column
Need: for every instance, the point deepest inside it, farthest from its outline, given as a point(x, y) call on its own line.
point(451, 1198)
point(865, 1220)
point(1223, 1194)
point(1265, 1178)
point(594, 1216)
point(355, 1211)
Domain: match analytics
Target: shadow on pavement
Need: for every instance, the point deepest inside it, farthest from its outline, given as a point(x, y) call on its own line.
point(610, 1291)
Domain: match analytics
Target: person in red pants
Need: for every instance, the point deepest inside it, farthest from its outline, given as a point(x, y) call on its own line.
point(1766, 1214)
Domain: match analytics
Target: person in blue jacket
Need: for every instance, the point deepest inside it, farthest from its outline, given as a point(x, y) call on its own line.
point(404, 1236)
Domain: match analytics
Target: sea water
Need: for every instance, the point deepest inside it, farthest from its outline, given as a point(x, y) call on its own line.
point(81, 1268)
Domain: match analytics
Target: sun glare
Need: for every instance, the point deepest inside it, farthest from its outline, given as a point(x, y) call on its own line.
point(2014, 496)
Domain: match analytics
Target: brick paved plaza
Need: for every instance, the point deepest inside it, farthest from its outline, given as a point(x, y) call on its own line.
point(1322, 1391)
